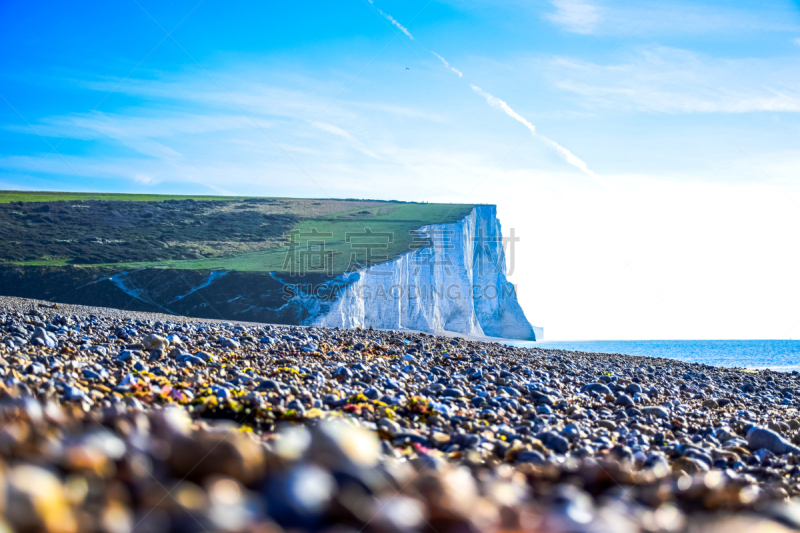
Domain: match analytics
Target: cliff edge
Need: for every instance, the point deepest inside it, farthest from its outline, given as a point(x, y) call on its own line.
point(454, 281)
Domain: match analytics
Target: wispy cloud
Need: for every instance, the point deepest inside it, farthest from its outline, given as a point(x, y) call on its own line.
point(447, 65)
point(577, 16)
point(335, 130)
point(673, 18)
point(669, 80)
point(144, 179)
point(568, 156)
point(391, 19)
point(180, 132)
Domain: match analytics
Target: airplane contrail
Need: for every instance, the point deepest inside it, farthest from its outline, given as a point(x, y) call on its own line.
point(497, 103)
point(446, 64)
point(565, 154)
point(391, 19)
point(501, 105)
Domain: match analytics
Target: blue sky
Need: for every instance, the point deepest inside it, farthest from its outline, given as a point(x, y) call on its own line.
point(645, 152)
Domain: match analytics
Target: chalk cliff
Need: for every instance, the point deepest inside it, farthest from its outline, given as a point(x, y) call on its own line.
point(456, 283)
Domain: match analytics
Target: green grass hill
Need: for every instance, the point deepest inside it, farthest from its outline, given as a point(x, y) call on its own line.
point(209, 232)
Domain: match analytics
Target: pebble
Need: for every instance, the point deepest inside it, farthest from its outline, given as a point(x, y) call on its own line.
point(598, 388)
point(623, 400)
point(263, 427)
point(657, 412)
point(762, 438)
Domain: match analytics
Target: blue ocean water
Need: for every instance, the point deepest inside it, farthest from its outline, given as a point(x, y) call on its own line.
point(779, 355)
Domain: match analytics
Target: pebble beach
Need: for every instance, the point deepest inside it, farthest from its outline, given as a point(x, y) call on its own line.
point(121, 421)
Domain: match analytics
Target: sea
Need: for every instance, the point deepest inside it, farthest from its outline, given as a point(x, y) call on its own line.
point(777, 355)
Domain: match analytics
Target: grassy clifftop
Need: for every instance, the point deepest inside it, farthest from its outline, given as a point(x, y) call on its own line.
point(209, 232)
point(7, 197)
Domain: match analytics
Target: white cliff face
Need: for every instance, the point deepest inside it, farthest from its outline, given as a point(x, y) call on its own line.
point(457, 284)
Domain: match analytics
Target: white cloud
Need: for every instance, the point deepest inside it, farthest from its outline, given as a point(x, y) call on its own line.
point(577, 16)
point(673, 18)
point(181, 131)
point(330, 128)
point(335, 130)
point(144, 179)
point(692, 17)
point(670, 80)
